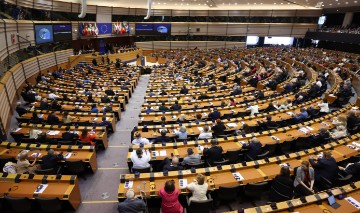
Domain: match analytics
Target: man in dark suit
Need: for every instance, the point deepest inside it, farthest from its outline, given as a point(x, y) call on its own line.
point(203, 96)
point(214, 153)
point(20, 109)
point(53, 119)
point(215, 114)
point(322, 137)
point(44, 105)
point(172, 165)
point(352, 120)
point(68, 136)
point(266, 123)
point(352, 169)
point(109, 92)
point(325, 167)
point(50, 161)
point(163, 137)
point(254, 148)
point(104, 122)
point(105, 99)
point(288, 88)
point(184, 90)
point(176, 106)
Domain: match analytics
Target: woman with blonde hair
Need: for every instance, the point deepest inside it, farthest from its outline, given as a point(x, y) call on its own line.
point(182, 118)
point(198, 188)
point(181, 134)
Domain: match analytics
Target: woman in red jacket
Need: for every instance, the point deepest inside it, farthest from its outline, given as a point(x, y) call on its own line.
point(170, 202)
point(87, 137)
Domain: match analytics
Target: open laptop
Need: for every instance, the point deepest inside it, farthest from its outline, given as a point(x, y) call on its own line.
point(332, 202)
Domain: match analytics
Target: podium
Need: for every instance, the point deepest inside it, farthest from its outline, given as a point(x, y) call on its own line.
point(140, 61)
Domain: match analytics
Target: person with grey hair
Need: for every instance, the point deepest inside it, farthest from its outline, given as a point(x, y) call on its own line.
point(132, 204)
point(23, 165)
point(182, 133)
point(205, 133)
point(171, 165)
point(254, 148)
point(20, 109)
point(50, 161)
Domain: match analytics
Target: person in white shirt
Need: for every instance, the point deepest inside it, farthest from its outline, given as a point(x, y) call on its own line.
point(205, 134)
point(319, 84)
point(53, 96)
point(139, 140)
point(34, 133)
point(140, 158)
point(284, 105)
point(324, 107)
point(253, 108)
point(198, 188)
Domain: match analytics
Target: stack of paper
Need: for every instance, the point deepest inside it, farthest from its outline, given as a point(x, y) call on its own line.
point(35, 155)
point(94, 119)
point(53, 132)
point(201, 148)
point(200, 129)
point(324, 123)
point(304, 130)
point(275, 138)
point(18, 129)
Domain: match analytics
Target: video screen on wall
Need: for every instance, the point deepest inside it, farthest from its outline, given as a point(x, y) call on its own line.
point(44, 34)
point(62, 32)
point(89, 29)
point(120, 28)
point(153, 29)
point(288, 41)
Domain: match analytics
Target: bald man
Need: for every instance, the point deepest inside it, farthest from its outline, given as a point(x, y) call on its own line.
point(131, 204)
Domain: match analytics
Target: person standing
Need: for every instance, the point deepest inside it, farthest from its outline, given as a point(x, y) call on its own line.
point(170, 202)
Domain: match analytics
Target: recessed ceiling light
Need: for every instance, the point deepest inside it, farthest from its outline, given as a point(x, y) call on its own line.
point(330, 4)
point(255, 3)
point(199, 4)
point(288, 3)
point(355, 1)
point(338, 3)
point(159, 3)
point(274, 3)
point(282, 3)
point(187, 4)
point(346, 2)
point(164, 2)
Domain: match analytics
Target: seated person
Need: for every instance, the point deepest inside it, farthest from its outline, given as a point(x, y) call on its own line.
point(321, 137)
point(182, 133)
point(304, 180)
point(104, 122)
point(105, 99)
point(203, 96)
point(181, 118)
point(282, 187)
point(132, 204)
point(34, 133)
point(245, 129)
point(140, 158)
point(301, 116)
point(163, 138)
point(68, 135)
point(148, 109)
point(254, 148)
point(324, 107)
point(214, 153)
point(324, 167)
point(35, 118)
point(198, 118)
point(20, 109)
point(94, 109)
point(176, 106)
point(267, 122)
point(191, 157)
point(352, 121)
point(50, 161)
point(215, 114)
point(53, 119)
point(219, 128)
point(205, 133)
point(171, 165)
point(66, 119)
point(140, 140)
point(253, 108)
point(44, 105)
point(55, 105)
point(87, 137)
point(23, 165)
point(163, 108)
point(198, 188)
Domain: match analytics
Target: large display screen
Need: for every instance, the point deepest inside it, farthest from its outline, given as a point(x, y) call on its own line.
point(252, 40)
point(89, 29)
point(279, 40)
point(43, 34)
point(153, 29)
point(120, 28)
point(62, 32)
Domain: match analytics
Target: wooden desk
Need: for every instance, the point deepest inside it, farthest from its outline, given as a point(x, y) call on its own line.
point(66, 188)
point(86, 154)
point(252, 172)
point(23, 130)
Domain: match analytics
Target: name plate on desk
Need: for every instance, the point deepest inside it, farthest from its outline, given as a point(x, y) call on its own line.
point(41, 188)
point(353, 202)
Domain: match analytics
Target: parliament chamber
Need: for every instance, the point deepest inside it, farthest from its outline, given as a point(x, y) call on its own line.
point(179, 106)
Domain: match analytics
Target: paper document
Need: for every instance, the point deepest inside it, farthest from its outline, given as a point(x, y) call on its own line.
point(50, 132)
point(238, 176)
point(128, 184)
point(353, 202)
point(304, 130)
point(35, 155)
point(200, 129)
point(201, 148)
point(18, 129)
point(67, 155)
point(231, 125)
point(275, 138)
point(163, 153)
point(41, 188)
point(182, 183)
point(155, 153)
